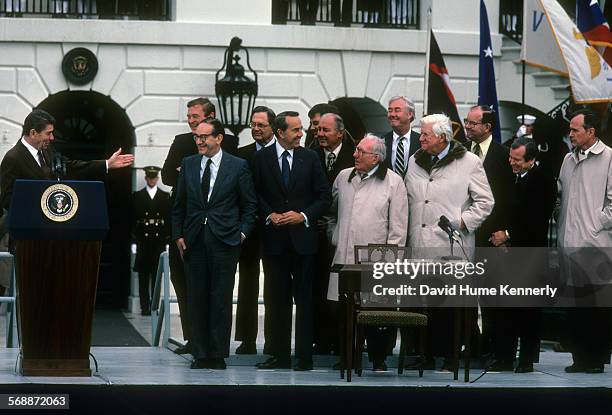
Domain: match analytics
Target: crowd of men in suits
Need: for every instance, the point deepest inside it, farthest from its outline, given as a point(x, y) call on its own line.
point(299, 210)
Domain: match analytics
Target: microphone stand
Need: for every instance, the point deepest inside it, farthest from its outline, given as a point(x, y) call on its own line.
point(451, 257)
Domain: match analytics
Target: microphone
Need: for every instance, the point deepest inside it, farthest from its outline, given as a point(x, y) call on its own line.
point(58, 166)
point(446, 226)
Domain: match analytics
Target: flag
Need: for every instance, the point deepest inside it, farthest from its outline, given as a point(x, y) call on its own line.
point(487, 92)
point(538, 46)
point(594, 27)
point(590, 76)
point(440, 98)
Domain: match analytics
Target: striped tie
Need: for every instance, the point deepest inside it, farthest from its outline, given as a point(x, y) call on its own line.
point(400, 163)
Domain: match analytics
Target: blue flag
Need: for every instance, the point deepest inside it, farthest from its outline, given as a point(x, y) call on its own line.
point(487, 93)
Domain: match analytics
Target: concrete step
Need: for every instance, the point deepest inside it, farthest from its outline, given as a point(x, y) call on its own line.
point(548, 79)
point(560, 91)
point(511, 52)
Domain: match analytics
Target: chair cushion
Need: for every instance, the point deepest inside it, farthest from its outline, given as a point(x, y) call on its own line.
point(391, 318)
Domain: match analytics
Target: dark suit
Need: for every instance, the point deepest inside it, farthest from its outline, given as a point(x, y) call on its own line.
point(183, 146)
point(291, 250)
point(248, 286)
point(151, 231)
point(324, 311)
point(500, 176)
point(532, 201)
point(501, 179)
point(211, 230)
point(18, 163)
point(415, 144)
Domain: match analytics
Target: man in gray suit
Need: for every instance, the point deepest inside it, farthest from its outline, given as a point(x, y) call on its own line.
point(214, 211)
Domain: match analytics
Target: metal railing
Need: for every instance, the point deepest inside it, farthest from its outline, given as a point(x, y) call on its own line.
point(160, 307)
point(88, 9)
point(400, 14)
point(12, 339)
point(511, 19)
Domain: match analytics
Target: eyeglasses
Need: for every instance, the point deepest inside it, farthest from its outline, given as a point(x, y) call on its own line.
point(361, 152)
point(202, 137)
point(258, 125)
point(469, 123)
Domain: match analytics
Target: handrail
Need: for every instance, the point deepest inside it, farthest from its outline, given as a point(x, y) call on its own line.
point(12, 340)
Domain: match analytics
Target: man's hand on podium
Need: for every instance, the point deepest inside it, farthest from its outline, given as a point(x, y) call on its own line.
point(118, 160)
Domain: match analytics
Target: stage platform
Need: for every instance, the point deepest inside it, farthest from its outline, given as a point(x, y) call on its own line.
point(143, 380)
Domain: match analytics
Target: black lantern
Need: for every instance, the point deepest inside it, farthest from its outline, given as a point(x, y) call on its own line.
point(235, 92)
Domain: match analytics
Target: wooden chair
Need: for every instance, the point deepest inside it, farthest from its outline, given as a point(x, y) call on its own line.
point(388, 316)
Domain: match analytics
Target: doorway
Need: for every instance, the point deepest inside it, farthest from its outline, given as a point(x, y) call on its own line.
point(91, 126)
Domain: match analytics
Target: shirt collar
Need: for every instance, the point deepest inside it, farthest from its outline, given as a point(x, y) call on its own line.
point(336, 150)
point(280, 150)
point(371, 172)
point(484, 146)
point(216, 159)
point(30, 148)
point(396, 136)
point(444, 152)
point(270, 143)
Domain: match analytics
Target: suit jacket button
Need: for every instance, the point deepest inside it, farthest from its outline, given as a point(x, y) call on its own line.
point(431, 180)
point(427, 201)
point(423, 225)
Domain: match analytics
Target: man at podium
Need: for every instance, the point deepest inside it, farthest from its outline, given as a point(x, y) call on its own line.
point(32, 157)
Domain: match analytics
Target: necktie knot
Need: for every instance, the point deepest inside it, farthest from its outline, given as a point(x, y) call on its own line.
point(477, 150)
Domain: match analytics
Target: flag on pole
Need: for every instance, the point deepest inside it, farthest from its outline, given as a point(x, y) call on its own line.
point(538, 46)
point(594, 27)
point(440, 98)
point(487, 92)
point(590, 76)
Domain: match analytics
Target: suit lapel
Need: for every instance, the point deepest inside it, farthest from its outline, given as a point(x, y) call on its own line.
point(273, 161)
point(195, 176)
point(296, 167)
point(30, 162)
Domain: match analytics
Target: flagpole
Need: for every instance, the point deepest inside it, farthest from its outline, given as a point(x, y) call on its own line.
point(427, 56)
point(523, 92)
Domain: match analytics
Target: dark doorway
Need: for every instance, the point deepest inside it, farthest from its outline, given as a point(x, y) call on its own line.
point(362, 115)
point(91, 126)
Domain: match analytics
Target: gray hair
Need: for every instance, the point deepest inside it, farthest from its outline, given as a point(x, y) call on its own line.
point(338, 121)
point(409, 104)
point(441, 125)
point(378, 146)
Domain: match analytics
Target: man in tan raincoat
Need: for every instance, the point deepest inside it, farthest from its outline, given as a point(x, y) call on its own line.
point(369, 207)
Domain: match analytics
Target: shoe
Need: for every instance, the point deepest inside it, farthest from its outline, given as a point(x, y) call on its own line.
point(218, 364)
point(524, 368)
point(246, 348)
point(595, 369)
point(574, 368)
point(274, 363)
point(303, 365)
point(185, 349)
point(500, 366)
point(200, 364)
point(379, 365)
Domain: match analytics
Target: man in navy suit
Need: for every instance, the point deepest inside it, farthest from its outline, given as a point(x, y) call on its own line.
point(401, 142)
point(250, 254)
point(214, 211)
point(293, 193)
point(184, 146)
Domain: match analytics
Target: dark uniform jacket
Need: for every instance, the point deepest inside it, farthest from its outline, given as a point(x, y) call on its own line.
point(151, 229)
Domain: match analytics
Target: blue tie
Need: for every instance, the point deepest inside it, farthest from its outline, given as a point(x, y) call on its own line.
point(286, 169)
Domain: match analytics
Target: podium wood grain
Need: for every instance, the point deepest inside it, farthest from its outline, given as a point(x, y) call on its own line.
point(55, 334)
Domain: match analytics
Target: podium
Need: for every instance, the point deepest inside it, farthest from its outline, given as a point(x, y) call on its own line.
point(57, 228)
